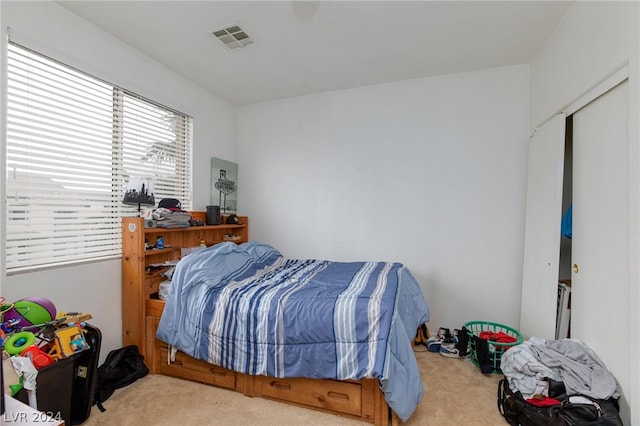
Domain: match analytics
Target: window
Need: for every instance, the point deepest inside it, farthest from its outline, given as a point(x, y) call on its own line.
point(73, 141)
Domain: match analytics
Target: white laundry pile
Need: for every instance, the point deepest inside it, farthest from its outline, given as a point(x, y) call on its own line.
point(567, 360)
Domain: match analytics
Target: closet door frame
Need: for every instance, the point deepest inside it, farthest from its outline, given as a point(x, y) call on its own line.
point(542, 229)
point(544, 214)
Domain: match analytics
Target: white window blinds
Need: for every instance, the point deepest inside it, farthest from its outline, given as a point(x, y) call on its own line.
point(73, 141)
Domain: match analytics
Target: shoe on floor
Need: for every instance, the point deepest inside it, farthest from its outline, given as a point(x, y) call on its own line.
point(422, 335)
point(433, 344)
point(443, 333)
point(449, 350)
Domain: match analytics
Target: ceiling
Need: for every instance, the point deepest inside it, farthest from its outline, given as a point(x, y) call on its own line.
point(303, 47)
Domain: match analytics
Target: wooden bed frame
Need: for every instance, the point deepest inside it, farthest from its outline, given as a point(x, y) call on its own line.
point(361, 399)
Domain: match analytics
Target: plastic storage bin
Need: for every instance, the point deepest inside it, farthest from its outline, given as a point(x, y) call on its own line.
point(54, 389)
point(65, 389)
point(496, 349)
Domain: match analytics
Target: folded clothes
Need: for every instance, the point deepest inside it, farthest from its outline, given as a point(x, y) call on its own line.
point(166, 218)
point(168, 224)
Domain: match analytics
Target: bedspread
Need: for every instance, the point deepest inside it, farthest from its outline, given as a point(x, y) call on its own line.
point(248, 309)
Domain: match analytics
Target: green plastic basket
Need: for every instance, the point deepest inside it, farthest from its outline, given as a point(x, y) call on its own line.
point(496, 349)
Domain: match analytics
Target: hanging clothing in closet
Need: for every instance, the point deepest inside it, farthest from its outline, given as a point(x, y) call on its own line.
point(566, 225)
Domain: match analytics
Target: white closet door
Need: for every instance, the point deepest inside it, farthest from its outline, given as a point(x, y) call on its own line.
point(542, 230)
point(600, 245)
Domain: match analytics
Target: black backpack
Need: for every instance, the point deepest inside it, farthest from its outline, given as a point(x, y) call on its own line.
point(518, 412)
point(121, 368)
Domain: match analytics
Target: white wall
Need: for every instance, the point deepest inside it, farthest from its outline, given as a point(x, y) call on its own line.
point(594, 40)
point(96, 287)
point(427, 172)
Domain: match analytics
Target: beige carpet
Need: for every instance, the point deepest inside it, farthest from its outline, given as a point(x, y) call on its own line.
point(455, 393)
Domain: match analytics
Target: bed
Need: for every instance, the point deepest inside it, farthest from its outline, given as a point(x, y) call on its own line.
point(247, 309)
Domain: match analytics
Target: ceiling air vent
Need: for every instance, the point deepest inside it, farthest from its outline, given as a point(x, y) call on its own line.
point(232, 36)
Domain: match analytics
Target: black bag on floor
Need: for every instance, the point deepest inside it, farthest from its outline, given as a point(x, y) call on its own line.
point(122, 367)
point(569, 412)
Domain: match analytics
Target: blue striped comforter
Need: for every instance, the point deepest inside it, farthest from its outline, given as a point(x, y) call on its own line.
point(249, 309)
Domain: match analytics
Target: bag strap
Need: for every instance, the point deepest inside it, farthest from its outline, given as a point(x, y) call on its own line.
point(503, 396)
point(506, 398)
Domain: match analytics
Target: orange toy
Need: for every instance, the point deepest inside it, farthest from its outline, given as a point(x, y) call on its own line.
point(39, 358)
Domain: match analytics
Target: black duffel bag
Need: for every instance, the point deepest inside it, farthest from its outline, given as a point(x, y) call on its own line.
point(572, 410)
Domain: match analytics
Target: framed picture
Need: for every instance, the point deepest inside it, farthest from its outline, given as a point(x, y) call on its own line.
point(224, 185)
point(139, 191)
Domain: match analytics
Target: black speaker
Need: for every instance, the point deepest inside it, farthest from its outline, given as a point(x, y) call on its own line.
point(213, 215)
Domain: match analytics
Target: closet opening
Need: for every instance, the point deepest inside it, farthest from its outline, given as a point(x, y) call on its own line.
point(563, 312)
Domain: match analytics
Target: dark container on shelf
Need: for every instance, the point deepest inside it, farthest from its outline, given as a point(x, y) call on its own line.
point(213, 215)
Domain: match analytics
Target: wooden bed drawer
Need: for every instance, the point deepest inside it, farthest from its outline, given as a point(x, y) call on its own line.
point(358, 399)
point(189, 368)
point(183, 366)
point(332, 395)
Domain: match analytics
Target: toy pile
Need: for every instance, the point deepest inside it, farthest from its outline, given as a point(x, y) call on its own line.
point(33, 335)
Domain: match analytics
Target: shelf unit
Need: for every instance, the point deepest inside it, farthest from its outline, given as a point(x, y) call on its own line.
point(140, 281)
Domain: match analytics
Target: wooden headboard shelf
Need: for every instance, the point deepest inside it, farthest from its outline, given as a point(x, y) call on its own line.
point(139, 283)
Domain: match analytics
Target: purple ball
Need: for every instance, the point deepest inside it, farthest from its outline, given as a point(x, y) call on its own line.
point(31, 311)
